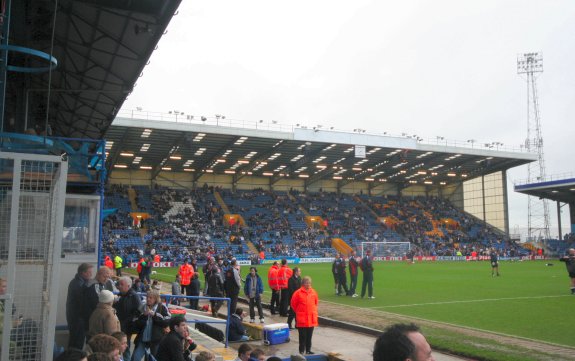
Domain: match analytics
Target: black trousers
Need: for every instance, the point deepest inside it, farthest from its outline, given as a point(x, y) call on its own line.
point(291, 317)
point(256, 302)
point(195, 291)
point(367, 280)
point(352, 284)
point(77, 334)
point(284, 302)
point(233, 301)
point(275, 301)
point(342, 282)
point(305, 334)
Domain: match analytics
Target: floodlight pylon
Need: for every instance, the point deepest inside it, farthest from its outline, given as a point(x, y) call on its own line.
point(531, 65)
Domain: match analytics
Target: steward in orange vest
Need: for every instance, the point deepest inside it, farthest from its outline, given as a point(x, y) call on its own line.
point(186, 273)
point(108, 262)
point(274, 285)
point(284, 274)
point(304, 303)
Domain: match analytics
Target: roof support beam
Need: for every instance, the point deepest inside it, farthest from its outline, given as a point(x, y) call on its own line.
point(177, 144)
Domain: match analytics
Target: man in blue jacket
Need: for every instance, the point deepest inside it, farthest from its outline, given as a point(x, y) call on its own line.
point(253, 288)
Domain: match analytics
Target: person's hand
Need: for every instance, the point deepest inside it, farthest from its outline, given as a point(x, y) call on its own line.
point(189, 344)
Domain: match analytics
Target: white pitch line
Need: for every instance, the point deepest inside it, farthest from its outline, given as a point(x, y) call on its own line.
point(469, 301)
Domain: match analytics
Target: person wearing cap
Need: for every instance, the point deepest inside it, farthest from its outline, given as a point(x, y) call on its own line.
point(104, 319)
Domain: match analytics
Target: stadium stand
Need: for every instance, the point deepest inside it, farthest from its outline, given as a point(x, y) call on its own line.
point(190, 223)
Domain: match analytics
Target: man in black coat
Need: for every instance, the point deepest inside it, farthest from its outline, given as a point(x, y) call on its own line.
point(215, 289)
point(75, 315)
point(176, 345)
point(341, 276)
point(127, 309)
point(294, 284)
point(353, 271)
point(366, 266)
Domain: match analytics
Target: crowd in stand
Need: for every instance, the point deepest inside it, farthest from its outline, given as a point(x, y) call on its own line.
point(190, 223)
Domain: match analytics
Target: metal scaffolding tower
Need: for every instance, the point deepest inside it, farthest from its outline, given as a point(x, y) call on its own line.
point(530, 65)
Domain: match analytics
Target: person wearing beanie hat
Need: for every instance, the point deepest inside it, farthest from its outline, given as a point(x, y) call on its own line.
point(104, 319)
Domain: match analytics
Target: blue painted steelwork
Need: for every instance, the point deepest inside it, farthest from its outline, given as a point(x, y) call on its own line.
point(23, 50)
point(561, 182)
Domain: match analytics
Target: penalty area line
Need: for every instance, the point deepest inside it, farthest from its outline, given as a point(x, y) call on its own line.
point(468, 301)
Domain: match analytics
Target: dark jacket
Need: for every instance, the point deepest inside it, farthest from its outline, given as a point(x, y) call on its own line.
point(353, 265)
point(171, 348)
point(237, 329)
point(160, 319)
point(294, 284)
point(92, 294)
point(259, 286)
point(75, 301)
point(128, 310)
point(366, 265)
point(215, 286)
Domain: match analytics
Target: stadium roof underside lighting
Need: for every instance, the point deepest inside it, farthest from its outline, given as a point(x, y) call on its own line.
point(559, 190)
point(156, 146)
point(101, 48)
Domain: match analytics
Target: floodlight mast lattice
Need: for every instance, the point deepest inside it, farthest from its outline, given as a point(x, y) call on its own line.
point(530, 65)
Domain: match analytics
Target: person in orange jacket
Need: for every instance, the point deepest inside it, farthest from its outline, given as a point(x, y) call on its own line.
point(108, 262)
point(186, 273)
point(274, 285)
point(140, 267)
point(284, 274)
point(304, 304)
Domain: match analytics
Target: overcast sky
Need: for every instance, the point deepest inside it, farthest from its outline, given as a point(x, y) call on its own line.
point(431, 68)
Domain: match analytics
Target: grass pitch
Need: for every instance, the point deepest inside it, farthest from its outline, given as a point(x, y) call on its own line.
point(530, 299)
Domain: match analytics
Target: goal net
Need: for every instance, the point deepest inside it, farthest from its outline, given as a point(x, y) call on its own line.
point(386, 249)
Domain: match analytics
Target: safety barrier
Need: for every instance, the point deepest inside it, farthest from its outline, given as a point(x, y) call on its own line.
point(169, 297)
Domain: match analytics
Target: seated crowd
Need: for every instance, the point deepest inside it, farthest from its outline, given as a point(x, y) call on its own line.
point(189, 223)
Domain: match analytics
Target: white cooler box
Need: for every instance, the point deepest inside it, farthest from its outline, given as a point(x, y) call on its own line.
point(276, 333)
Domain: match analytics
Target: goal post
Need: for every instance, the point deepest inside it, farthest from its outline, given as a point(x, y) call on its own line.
point(386, 249)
